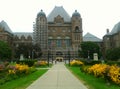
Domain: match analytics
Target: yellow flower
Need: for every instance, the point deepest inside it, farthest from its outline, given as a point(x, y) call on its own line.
point(114, 74)
point(76, 63)
point(11, 71)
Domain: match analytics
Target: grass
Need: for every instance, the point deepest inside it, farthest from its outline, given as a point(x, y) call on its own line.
point(23, 82)
point(91, 81)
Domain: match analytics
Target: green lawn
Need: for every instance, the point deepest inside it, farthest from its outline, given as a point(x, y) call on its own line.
point(91, 81)
point(23, 82)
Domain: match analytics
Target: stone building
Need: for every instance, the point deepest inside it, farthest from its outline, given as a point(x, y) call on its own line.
point(5, 33)
point(58, 32)
point(14, 38)
point(23, 38)
point(112, 39)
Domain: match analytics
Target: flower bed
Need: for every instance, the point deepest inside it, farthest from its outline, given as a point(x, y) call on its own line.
point(40, 63)
point(10, 72)
point(76, 63)
point(109, 73)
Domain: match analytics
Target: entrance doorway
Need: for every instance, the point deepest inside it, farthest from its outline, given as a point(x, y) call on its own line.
point(59, 56)
point(60, 59)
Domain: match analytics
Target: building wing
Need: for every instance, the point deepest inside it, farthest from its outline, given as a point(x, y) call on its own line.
point(25, 34)
point(5, 27)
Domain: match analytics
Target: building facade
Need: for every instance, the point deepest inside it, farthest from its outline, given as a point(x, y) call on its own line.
point(5, 33)
point(112, 39)
point(58, 32)
point(25, 38)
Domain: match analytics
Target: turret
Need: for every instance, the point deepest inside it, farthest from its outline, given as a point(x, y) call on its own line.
point(40, 31)
point(76, 21)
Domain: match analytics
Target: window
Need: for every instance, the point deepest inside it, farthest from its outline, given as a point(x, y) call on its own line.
point(76, 29)
point(50, 37)
point(59, 43)
point(67, 41)
point(49, 42)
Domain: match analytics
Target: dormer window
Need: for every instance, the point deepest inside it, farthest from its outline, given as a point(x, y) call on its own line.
point(58, 20)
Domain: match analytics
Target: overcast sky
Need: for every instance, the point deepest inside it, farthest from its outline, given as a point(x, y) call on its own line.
point(97, 15)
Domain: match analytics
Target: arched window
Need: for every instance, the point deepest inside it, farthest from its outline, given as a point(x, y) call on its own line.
point(67, 37)
point(76, 29)
point(50, 37)
point(67, 41)
point(59, 42)
point(58, 37)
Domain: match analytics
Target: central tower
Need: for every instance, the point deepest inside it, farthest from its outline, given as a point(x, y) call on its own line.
point(58, 32)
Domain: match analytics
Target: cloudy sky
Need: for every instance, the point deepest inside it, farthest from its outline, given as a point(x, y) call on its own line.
point(97, 15)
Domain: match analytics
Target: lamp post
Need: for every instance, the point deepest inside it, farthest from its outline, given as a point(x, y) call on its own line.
point(52, 55)
point(69, 56)
point(48, 56)
point(33, 54)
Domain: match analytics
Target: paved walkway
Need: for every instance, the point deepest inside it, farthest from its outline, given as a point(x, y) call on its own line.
point(58, 77)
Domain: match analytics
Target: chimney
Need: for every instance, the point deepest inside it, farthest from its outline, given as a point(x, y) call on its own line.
point(107, 30)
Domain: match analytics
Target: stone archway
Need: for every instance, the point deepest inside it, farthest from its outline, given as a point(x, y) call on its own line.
point(59, 56)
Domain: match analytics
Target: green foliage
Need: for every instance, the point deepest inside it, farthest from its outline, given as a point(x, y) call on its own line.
point(28, 62)
point(113, 63)
point(99, 83)
point(5, 51)
point(22, 82)
point(11, 72)
point(32, 51)
point(88, 48)
point(113, 54)
point(91, 62)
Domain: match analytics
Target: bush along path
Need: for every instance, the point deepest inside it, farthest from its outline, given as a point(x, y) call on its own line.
point(110, 74)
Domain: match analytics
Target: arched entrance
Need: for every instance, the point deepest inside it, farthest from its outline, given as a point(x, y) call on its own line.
point(59, 56)
point(60, 59)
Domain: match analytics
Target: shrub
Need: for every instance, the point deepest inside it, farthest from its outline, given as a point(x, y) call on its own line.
point(114, 74)
point(40, 63)
point(84, 68)
point(113, 63)
point(109, 73)
point(27, 62)
point(98, 70)
point(91, 62)
point(2, 67)
point(14, 71)
point(113, 54)
point(76, 63)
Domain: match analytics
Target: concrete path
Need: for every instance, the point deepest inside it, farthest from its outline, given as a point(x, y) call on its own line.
point(58, 77)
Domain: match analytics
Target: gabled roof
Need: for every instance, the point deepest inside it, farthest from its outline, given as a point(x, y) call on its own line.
point(58, 10)
point(115, 29)
point(90, 37)
point(5, 27)
point(25, 34)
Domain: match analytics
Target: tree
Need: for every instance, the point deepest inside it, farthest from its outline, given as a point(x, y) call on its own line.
point(5, 51)
point(113, 54)
point(32, 51)
point(88, 48)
